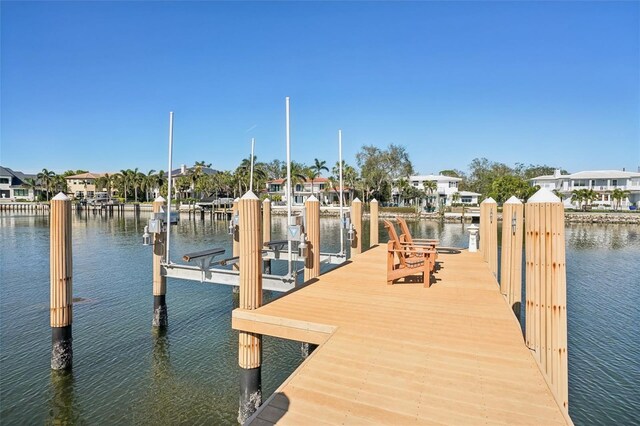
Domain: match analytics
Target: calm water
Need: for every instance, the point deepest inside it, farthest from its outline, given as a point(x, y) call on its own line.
point(126, 373)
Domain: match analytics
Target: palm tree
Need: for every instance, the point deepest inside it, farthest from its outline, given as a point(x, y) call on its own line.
point(617, 196)
point(125, 179)
point(46, 177)
point(558, 194)
point(31, 184)
point(317, 168)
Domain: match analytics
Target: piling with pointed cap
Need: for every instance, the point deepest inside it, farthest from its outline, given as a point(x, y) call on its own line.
point(489, 233)
point(356, 221)
point(511, 258)
point(160, 317)
point(250, 344)
point(312, 261)
point(546, 290)
point(61, 282)
point(266, 230)
point(373, 222)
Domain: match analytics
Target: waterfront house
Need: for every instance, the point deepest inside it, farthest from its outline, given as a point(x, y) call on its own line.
point(13, 185)
point(182, 188)
point(83, 185)
point(602, 182)
point(322, 188)
point(446, 192)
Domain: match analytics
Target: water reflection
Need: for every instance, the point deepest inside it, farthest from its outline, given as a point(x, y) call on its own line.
point(612, 236)
point(63, 409)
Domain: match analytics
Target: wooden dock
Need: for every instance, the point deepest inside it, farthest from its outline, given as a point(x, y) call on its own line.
point(403, 354)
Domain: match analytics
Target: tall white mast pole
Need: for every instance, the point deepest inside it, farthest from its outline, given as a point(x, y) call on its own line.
point(288, 181)
point(253, 141)
point(168, 218)
point(341, 191)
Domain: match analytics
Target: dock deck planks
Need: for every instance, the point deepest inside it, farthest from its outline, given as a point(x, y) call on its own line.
point(403, 354)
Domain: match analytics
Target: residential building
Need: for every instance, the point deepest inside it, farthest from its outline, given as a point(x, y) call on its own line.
point(446, 192)
point(320, 188)
point(190, 190)
point(83, 185)
point(13, 185)
point(602, 182)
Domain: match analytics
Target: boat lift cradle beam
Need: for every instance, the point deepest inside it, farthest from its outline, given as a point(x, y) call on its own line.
point(207, 273)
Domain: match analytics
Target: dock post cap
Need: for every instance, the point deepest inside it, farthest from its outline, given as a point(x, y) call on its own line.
point(236, 200)
point(374, 201)
point(159, 199)
point(513, 200)
point(312, 198)
point(543, 196)
point(266, 200)
point(249, 195)
point(488, 201)
point(61, 197)
point(356, 200)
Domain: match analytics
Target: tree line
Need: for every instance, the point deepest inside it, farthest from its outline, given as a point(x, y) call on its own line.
point(379, 173)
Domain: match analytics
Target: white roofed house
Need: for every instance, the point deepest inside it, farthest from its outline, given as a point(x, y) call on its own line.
point(612, 188)
point(443, 191)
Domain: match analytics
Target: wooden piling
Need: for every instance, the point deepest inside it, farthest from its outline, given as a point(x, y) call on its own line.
point(356, 221)
point(160, 315)
point(266, 231)
point(250, 344)
point(546, 298)
point(373, 223)
point(312, 261)
point(489, 233)
point(61, 282)
point(511, 257)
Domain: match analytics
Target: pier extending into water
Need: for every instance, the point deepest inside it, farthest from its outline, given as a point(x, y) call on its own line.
point(452, 352)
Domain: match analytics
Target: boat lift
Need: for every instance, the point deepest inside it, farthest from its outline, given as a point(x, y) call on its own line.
point(207, 267)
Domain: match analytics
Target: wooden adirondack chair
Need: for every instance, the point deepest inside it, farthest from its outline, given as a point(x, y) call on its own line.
point(411, 260)
point(414, 241)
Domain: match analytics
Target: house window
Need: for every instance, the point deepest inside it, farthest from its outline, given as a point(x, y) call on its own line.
point(453, 184)
point(275, 188)
point(322, 187)
point(465, 200)
point(21, 192)
point(614, 182)
point(298, 187)
point(89, 194)
point(4, 180)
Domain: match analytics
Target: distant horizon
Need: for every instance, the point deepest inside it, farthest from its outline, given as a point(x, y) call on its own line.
point(90, 84)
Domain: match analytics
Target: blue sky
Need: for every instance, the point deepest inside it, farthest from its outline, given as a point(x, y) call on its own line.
point(89, 85)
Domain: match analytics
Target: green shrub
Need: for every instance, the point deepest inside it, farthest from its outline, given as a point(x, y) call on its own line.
point(406, 210)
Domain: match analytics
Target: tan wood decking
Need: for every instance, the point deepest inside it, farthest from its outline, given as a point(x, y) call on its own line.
point(403, 354)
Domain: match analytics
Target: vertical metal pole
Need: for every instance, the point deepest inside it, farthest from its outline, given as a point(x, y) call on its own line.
point(341, 192)
point(253, 141)
point(167, 258)
point(289, 268)
point(61, 282)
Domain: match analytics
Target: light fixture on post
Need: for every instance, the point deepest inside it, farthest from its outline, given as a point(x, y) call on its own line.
point(351, 233)
point(146, 237)
point(303, 247)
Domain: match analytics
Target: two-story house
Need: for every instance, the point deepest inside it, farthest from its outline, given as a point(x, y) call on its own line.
point(13, 185)
point(445, 193)
point(83, 185)
point(321, 188)
point(602, 182)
